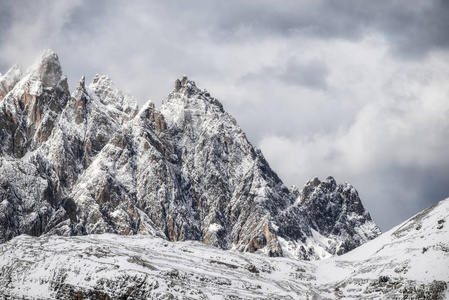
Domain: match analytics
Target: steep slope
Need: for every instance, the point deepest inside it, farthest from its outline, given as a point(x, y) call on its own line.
point(92, 162)
point(94, 151)
point(410, 261)
point(39, 176)
point(30, 193)
point(232, 190)
point(9, 80)
point(29, 110)
point(254, 209)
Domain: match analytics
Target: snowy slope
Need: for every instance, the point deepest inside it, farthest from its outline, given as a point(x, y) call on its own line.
point(410, 261)
point(410, 258)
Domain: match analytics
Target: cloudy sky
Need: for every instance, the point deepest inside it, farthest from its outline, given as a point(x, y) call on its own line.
point(355, 89)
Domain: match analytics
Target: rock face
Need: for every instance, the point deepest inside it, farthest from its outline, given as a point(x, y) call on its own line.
point(92, 162)
point(336, 212)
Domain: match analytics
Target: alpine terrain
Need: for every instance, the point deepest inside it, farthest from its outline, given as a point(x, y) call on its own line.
point(93, 162)
point(102, 199)
point(408, 262)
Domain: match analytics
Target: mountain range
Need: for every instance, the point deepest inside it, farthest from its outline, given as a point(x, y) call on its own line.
point(90, 176)
point(93, 162)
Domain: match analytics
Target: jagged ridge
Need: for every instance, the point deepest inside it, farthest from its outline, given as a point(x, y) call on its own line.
point(92, 162)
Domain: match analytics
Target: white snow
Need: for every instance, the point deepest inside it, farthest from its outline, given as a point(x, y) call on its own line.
point(214, 227)
point(35, 266)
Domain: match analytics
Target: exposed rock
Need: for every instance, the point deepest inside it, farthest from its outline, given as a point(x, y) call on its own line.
point(28, 113)
point(110, 266)
point(9, 80)
point(93, 162)
point(336, 212)
point(123, 106)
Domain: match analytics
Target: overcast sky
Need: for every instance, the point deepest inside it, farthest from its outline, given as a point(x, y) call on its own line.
point(354, 89)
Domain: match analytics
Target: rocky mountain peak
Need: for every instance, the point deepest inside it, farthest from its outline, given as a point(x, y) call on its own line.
point(82, 82)
point(9, 80)
point(335, 210)
point(184, 85)
point(78, 101)
point(118, 100)
point(189, 94)
point(42, 79)
point(47, 69)
point(30, 109)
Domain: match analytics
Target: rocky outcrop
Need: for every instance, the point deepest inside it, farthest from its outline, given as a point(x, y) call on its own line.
point(9, 80)
point(336, 212)
point(92, 162)
point(231, 189)
point(29, 111)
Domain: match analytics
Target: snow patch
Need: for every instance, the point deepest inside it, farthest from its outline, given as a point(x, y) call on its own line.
point(214, 227)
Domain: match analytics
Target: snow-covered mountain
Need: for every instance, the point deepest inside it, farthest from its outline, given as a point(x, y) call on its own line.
point(411, 261)
point(335, 215)
point(92, 162)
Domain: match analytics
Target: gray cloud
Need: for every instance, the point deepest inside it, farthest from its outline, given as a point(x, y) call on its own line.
point(412, 28)
point(354, 89)
point(394, 151)
point(405, 189)
point(310, 74)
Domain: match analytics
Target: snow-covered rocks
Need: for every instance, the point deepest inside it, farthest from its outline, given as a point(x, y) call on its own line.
point(122, 104)
point(335, 211)
point(92, 162)
point(408, 262)
point(29, 111)
point(9, 80)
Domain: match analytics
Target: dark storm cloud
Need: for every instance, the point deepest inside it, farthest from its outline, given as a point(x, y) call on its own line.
point(412, 28)
point(310, 74)
point(409, 190)
point(5, 18)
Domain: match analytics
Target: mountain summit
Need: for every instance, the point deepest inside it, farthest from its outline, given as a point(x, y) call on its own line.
point(92, 162)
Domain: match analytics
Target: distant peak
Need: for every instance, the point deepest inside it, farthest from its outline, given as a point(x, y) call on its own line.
point(331, 180)
point(184, 83)
point(110, 94)
point(9, 80)
point(48, 54)
point(81, 84)
point(45, 57)
point(14, 69)
point(178, 85)
point(187, 89)
point(47, 68)
point(102, 80)
point(314, 182)
point(82, 81)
